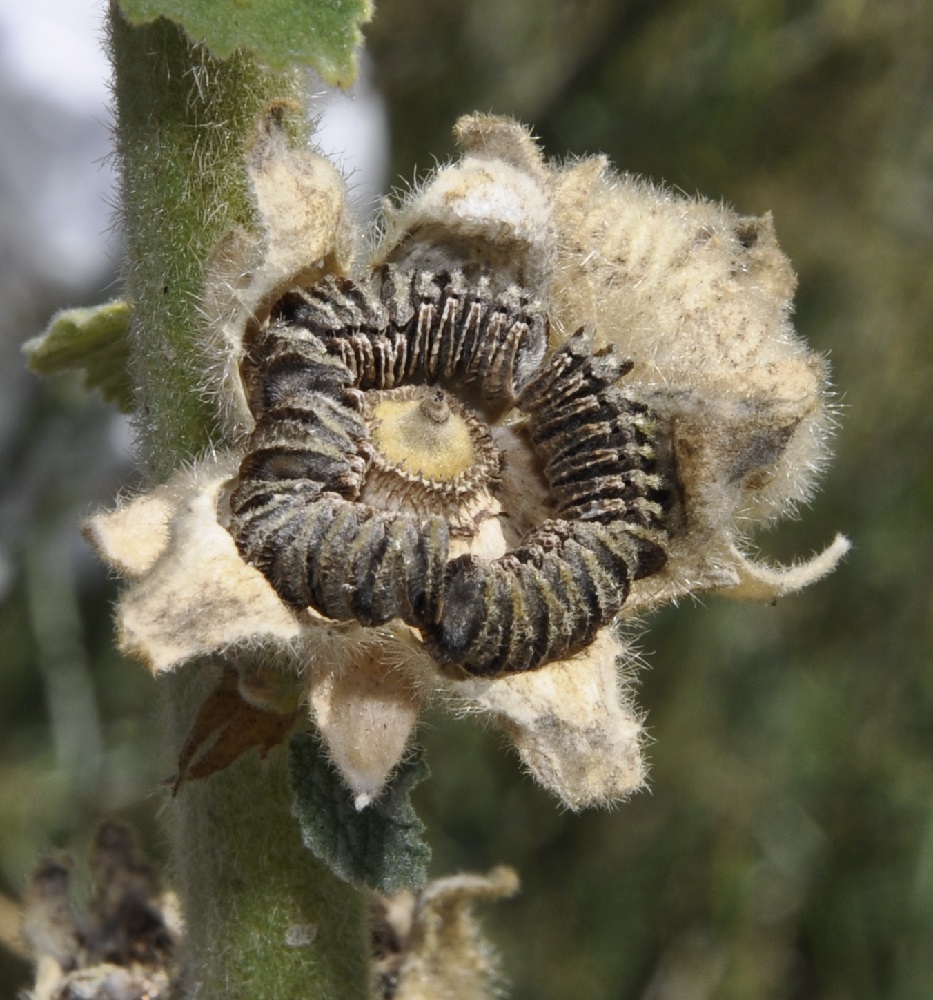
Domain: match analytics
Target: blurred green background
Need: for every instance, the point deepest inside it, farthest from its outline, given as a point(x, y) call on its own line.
point(785, 849)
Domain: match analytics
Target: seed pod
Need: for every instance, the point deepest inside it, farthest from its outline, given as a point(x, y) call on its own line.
point(541, 602)
point(427, 327)
point(307, 427)
point(296, 514)
point(599, 460)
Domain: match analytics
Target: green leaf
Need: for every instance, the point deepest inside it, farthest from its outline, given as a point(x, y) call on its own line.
point(381, 847)
point(94, 340)
point(323, 34)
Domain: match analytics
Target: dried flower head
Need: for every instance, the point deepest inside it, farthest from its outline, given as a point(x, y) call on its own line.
point(549, 398)
point(122, 945)
point(429, 945)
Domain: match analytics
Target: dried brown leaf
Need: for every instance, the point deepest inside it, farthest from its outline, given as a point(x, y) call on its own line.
point(225, 728)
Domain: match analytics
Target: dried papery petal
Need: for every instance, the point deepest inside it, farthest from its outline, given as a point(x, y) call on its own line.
point(198, 596)
point(300, 201)
point(758, 581)
point(133, 537)
point(491, 209)
point(572, 722)
point(366, 713)
point(700, 298)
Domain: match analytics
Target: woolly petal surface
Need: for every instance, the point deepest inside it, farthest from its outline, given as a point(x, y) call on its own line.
point(700, 298)
point(193, 594)
point(494, 200)
point(366, 714)
point(300, 201)
point(759, 581)
point(572, 722)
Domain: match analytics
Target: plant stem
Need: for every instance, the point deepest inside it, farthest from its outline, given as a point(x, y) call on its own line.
point(183, 121)
point(251, 887)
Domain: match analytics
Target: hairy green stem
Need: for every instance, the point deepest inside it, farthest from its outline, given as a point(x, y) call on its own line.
point(264, 919)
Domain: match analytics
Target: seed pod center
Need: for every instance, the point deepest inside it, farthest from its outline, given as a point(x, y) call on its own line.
point(423, 435)
point(428, 454)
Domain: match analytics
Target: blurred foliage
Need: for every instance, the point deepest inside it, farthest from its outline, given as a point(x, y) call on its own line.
point(786, 847)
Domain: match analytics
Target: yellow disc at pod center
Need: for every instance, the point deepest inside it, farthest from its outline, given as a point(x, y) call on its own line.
point(424, 434)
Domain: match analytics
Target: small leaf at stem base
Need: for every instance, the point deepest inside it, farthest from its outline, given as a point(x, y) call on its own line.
point(93, 340)
point(380, 846)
